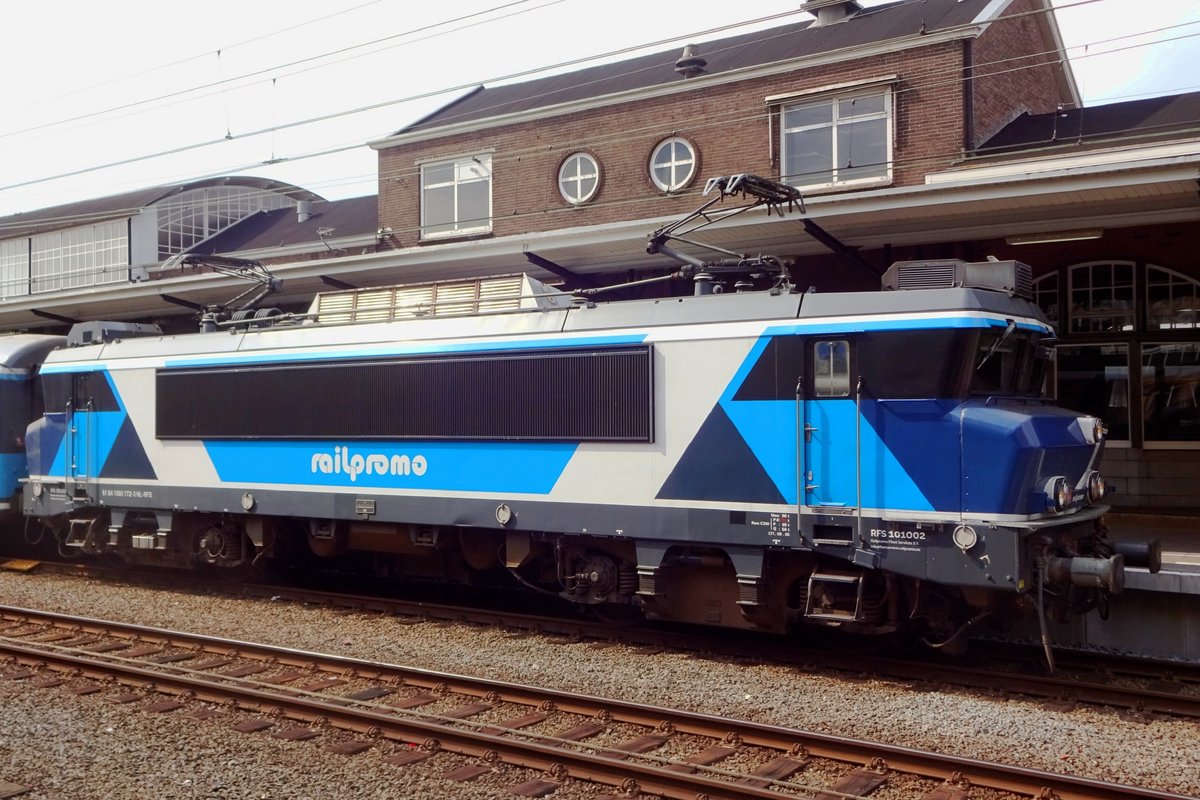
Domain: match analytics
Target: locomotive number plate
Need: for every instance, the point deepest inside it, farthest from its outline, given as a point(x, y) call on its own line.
point(901, 535)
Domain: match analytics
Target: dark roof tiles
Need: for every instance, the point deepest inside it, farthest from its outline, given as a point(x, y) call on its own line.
point(748, 50)
point(356, 216)
point(1132, 119)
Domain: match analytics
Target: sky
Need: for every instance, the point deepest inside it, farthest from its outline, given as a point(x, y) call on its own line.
point(102, 98)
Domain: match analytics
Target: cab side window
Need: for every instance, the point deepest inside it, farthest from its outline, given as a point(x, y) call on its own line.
point(831, 368)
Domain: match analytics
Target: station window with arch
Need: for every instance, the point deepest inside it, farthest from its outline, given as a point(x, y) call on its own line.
point(1131, 349)
point(193, 216)
point(673, 164)
point(579, 178)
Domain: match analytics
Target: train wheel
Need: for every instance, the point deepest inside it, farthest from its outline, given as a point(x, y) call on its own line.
point(227, 549)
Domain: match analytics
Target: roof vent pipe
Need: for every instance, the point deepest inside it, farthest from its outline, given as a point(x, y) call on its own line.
point(690, 64)
point(303, 210)
point(830, 11)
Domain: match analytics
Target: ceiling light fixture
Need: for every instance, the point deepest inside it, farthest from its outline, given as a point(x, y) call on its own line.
point(1056, 236)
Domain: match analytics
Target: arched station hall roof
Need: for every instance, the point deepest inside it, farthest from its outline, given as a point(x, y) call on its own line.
point(127, 204)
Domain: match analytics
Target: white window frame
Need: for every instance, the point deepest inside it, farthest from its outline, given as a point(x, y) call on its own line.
point(75, 258)
point(1046, 293)
point(194, 216)
point(479, 164)
point(835, 99)
point(571, 177)
point(693, 161)
point(1090, 317)
point(1186, 300)
point(14, 267)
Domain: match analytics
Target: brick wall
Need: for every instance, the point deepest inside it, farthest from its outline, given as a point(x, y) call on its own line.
point(1015, 70)
point(734, 131)
point(729, 124)
point(1153, 479)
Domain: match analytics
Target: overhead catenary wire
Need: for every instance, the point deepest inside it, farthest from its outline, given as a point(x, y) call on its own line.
point(383, 104)
point(221, 84)
point(526, 73)
point(618, 136)
point(649, 200)
point(1023, 57)
point(142, 73)
point(727, 117)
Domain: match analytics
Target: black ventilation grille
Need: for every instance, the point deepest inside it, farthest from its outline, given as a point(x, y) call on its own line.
point(594, 395)
point(926, 276)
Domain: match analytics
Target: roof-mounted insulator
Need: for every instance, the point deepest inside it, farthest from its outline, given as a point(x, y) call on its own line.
point(690, 64)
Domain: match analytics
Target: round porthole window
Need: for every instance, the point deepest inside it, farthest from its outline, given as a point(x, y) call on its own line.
point(579, 178)
point(673, 164)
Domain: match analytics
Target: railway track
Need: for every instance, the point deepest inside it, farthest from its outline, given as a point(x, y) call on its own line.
point(555, 737)
point(1139, 686)
point(1142, 686)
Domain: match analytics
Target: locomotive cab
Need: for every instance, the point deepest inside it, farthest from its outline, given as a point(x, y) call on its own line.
point(928, 449)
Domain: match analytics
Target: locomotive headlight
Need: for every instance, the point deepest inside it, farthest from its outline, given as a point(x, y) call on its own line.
point(1095, 487)
point(1093, 429)
point(1058, 493)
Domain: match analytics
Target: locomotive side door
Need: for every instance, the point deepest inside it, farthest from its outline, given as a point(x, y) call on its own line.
point(81, 455)
point(829, 425)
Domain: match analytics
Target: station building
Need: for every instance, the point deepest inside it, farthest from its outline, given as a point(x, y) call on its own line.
point(945, 129)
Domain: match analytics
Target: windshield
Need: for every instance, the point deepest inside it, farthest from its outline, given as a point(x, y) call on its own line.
point(1010, 362)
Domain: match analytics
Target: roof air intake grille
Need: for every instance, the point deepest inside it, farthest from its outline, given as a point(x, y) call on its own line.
point(919, 275)
point(1010, 277)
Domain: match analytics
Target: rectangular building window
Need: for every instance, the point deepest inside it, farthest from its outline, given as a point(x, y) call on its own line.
point(1095, 380)
point(456, 197)
point(14, 267)
point(91, 255)
point(1170, 376)
point(841, 140)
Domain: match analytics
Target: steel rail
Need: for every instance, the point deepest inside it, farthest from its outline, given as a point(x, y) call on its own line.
point(1097, 691)
point(409, 729)
point(909, 760)
point(962, 673)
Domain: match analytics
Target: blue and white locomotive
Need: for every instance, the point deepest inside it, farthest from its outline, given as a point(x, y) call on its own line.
point(870, 461)
point(874, 461)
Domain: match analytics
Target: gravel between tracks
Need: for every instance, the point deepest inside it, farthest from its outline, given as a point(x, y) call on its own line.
point(83, 748)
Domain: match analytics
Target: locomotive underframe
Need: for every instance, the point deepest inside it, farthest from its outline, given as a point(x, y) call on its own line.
point(737, 568)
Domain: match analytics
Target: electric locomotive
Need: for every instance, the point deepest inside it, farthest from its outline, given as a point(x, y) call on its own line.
point(875, 462)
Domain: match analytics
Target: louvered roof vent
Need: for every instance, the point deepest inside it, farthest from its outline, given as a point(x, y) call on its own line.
point(1010, 277)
